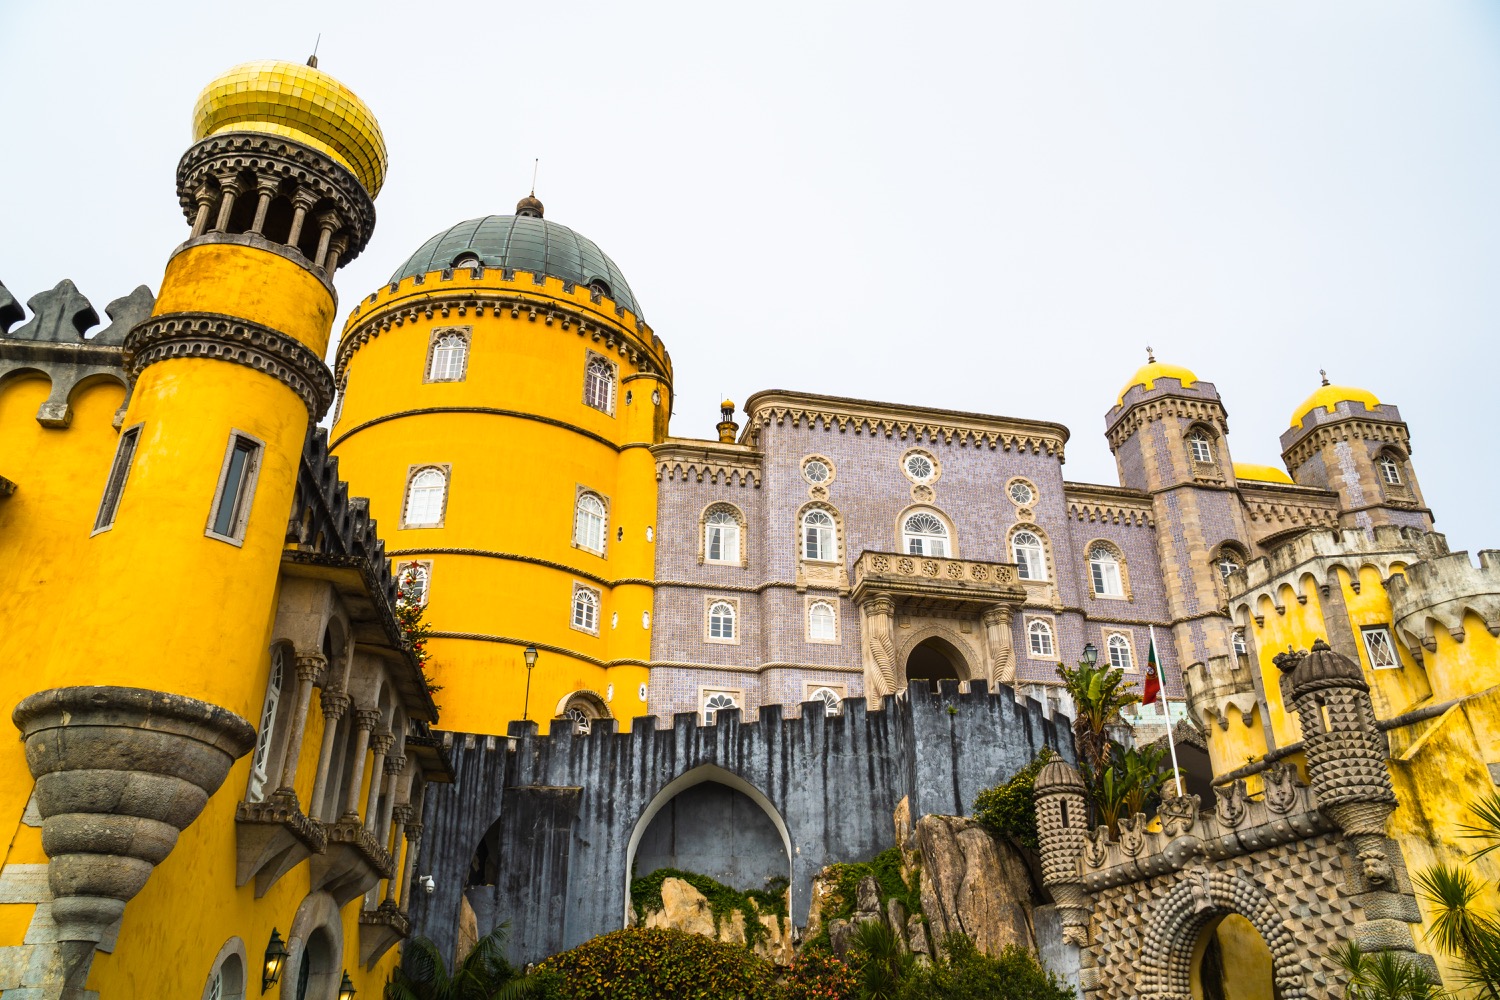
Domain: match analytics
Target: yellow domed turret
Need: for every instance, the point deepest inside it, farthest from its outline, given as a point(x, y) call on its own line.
point(1152, 370)
point(301, 103)
point(1329, 396)
point(1261, 473)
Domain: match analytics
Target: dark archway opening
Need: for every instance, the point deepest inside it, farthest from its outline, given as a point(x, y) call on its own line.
point(714, 830)
point(934, 660)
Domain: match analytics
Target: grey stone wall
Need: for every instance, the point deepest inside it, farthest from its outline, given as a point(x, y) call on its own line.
point(560, 811)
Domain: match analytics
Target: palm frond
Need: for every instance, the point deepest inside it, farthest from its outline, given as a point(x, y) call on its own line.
point(1487, 810)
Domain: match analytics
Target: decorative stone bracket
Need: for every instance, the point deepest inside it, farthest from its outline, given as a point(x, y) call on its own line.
point(354, 862)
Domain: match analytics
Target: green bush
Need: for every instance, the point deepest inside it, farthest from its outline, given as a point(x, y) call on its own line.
point(645, 897)
point(1010, 809)
point(817, 975)
point(967, 972)
point(657, 964)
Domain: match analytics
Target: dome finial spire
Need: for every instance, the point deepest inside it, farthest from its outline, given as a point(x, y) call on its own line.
point(312, 60)
point(1150, 357)
point(1323, 374)
point(529, 206)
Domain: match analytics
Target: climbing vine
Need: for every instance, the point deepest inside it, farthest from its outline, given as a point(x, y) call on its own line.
point(645, 897)
point(411, 619)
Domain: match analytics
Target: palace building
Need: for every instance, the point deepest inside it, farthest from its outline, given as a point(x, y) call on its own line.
point(638, 641)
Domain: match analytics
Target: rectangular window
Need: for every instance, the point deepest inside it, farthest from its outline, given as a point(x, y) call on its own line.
point(231, 509)
point(1380, 647)
point(118, 473)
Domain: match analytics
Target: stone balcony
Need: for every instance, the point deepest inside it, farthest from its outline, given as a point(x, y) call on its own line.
point(354, 862)
point(380, 929)
point(934, 584)
point(273, 837)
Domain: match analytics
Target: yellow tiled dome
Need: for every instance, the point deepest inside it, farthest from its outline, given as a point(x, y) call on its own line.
point(298, 102)
point(1261, 473)
point(1329, 396)
point(1147, 375)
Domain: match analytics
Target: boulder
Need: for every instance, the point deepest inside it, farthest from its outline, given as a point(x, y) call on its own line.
point(916, 936)
point(685, 909)
point(867, 895)
point(840, 936)
point(895, 916)
point(973, 884)
point(823, 886)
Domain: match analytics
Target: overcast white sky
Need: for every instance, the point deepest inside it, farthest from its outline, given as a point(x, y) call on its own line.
point(985, 206)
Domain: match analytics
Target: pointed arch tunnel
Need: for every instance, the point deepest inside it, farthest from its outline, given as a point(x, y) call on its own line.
point(703, 775)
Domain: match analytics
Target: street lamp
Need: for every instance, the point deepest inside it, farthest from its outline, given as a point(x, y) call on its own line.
point(275, 958)
point(346, 988)
point(530, 655)
point(1090, 654)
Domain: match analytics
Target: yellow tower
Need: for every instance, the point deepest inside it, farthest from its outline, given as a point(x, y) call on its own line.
point(498, 402)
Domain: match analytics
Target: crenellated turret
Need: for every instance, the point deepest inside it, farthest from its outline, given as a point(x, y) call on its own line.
point(1062, 824)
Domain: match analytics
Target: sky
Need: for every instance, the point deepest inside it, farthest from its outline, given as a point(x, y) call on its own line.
point(991, 206)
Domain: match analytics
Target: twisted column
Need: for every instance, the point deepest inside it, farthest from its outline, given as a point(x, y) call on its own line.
point(335, 704)
point(310, 667)
point(366, 719)
point(880, 619)
point(998, 635)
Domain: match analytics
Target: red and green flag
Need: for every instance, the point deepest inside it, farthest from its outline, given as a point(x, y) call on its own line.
point(1152, 686)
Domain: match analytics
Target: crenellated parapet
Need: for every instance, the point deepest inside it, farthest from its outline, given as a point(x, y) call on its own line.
point(55, 342)
point(1220, 689)
point(1440, 593)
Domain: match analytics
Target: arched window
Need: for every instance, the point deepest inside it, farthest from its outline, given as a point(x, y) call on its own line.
point(721, 620)
point(924, 535)
point(261, 763)
point(1201, 447)
point(1228, 564)
point(716, 702)
point(1240, 648)
point(1104, 566)
point(1390, 470)
point(721, 536)
point(822, 622)
point(817, 535)
point(411, 581)
point(227, 980)
point(426, 494)
point(585, 609)
point(450, 356)
point(1119, 653)
point(588, 523)
point(466, 260)
point(1039, 638)
point(832, 703)
point(599, 384)
point(1031, 562)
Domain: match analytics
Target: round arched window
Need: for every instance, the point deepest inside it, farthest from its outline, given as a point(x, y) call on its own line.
point(923, 534)
point(1031, 563)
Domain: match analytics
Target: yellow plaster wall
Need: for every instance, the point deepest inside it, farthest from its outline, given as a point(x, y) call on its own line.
point(249, 283)
point(514, 478)
point(1247, 965)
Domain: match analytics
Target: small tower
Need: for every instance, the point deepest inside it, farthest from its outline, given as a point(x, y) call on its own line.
point(1062, 821)
point(1346, 440)
point(727, 427)
point(1346, 752)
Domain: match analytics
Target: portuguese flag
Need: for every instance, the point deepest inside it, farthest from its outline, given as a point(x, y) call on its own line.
point(1152, 686)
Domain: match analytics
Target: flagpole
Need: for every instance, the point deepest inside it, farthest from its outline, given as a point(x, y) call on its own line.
point(1166, 706)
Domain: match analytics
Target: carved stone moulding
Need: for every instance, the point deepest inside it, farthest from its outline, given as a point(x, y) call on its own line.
point(120, 772)
point(273, 837)
point(226, 338)
point(379, 930)
point(353, 863)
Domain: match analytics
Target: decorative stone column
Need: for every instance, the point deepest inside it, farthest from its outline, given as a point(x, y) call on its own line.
point(302, 203)
point(229, 190)
point(400, 816)
point(880, 646)
point(365, 719)
point(335, 704)
point(1062, 822)
point(998, 637)
point(265, 189)
point(394, 765)
point(120, 772)
point(204, 196)
point(380, 745)
point(336, 249)
point(327, 223)
point(310, 667)
point(413, 855)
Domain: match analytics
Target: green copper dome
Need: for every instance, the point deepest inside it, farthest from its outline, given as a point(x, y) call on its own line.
point(523, 242)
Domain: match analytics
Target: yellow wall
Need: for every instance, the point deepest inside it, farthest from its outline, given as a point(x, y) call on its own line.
point(1245, 960)
point(503, 561)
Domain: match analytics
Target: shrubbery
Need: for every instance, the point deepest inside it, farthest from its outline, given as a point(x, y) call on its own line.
point(886, 869)
point(659, 964)
point(968, 972)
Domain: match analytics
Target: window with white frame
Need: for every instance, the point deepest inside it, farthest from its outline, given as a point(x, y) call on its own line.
point(114, 487)
point(822, 622)
point(412, 580)
point(426, 498)
point(1201, 448)
point(1031, 563)
point(588, 522)
point(1039, 638)
point(260, 763)
point(715, 702)
point(1240, 647)
point(236, 489)
point(1119, 652)
point(1390, 470)
point(923, 534)
point(1104, 567)
point(721, 535)
point(721, 621)
point(1380, 647)
point(817, 535)
point(585, 609)
point(450, 357)
point(1228, 564)
point(833, 702)
point(599, 384)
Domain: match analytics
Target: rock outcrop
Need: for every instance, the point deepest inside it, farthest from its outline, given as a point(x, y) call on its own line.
point(973, 883)
point(684, 908)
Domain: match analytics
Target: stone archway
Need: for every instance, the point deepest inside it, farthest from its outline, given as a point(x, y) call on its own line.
point(936, 654)
point(1176, 924)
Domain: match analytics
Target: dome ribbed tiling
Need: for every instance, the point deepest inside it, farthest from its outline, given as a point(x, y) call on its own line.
point(523, 243)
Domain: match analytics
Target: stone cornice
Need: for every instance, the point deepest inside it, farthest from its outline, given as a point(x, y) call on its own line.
point(916, 423)
point(238, 341)
point(1109, 504)
point(1287, 507)
point(1194, 408)
point(459, 293)
point(1306, 446)
point(684, 459)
